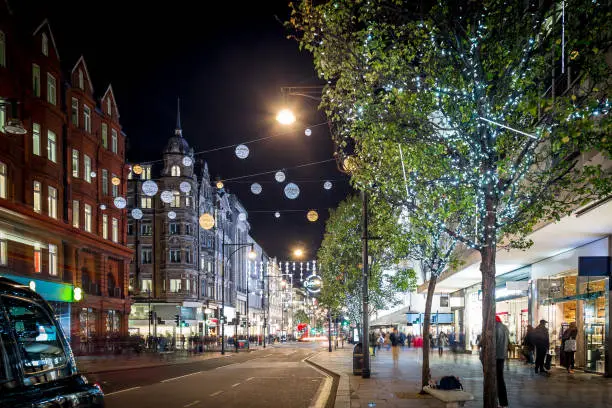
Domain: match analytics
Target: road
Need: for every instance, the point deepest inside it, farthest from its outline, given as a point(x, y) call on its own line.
point(275, 377)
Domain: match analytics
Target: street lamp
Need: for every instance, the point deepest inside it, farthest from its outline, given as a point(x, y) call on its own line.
point(298, 253)
point(285, 117)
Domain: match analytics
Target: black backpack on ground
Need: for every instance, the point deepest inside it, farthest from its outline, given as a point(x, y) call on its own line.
point(450, 383)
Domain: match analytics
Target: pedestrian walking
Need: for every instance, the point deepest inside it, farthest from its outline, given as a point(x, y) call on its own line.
point(441, 342)
point(381, 340)
point(568, 345)
point(502, 337)
point(528, 348)
point(394, 340)
point(541, 342)
point(373, 339)
point(388, 341)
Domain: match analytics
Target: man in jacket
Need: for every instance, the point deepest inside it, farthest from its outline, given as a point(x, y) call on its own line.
point(540, 340)
point(502, 336)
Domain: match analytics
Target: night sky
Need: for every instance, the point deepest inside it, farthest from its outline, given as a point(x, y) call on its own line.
point(227, 63)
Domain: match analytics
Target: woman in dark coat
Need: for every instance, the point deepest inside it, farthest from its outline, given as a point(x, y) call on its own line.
point(568, 346)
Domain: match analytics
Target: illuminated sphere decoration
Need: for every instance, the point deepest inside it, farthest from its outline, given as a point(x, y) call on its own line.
point(256, 188)
point(102, 207)
point(327, 185)
point(242, 151)
point(136, 213)
point(219, 185)
point(166, 196)
point(137, 169)
point(207, 221)
point(149, 188)
point(279, 176)
point(93, 174)
point(242, 216)
point(116, 181)
point(120, 202)
point(308, 132)
point(277, 214)
point(312, 215)
point(185, 187)
point(292, 191)
point(172, 215)
point(187, 161)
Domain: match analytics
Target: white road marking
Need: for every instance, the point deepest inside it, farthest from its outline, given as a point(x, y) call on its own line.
point(191, 403)
point(267, 355)
point(249, 379)
point(117, 392)
point(227, 365)
point(214, 394)
point(235, 385)
point(182, 376)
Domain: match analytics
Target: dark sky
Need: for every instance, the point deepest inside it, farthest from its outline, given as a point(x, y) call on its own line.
point(226, 61)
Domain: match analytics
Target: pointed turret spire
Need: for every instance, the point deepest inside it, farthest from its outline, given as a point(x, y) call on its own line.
point(178, 131)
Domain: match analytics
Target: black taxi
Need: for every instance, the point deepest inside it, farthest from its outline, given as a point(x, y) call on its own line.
point(37, 367)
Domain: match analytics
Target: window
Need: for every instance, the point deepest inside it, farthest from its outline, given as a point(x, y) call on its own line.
point(175, 171)
point(3, 180)
point(38, 339)
point(104, 226)
point(115, 188)
point(75, 163)
point(2, 117)
point(37, 197)
point(104, 181)
point(175, 285)
point(87, 168)
point(87, 118)
point(188, 200)
point(36, 139)
point(175, 255)
point(87, 217)
point(145, 202)
point(146, 173)
point(115, 230)
point(174, 228)
point(146, 229)
point(108, 106)
point(176, 200)
point(2, 50)
point(130, 228)
point(74, 113)
point(51, 146)
point(146, 255)
point(52, 260)
point(188, 256)
point(37, 260)
point(146, 285)
point(51, 89)
point(36, 80)
point(52, 202)
point(45, 44)
point(130, 174)
point(105, 135)
point(3, 251)
point(187, 229)
point(114, 140)
point(75, 214)
point(81, 80)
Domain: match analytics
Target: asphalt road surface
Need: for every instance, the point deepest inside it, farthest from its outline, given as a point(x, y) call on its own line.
point(274, 377)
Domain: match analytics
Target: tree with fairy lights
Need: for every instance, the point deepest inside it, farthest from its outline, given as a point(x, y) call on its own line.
point(505, 101)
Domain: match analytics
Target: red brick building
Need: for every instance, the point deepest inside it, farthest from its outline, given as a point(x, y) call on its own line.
point(61, 231)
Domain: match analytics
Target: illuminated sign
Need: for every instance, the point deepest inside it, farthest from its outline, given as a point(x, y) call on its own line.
point(313, 284)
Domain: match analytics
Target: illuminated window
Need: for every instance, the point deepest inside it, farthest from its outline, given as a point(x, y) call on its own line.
point(146, 285)
point(75, 214)
point(3, 180)
point(114, 141)
point(37, 197)
point(145, 202)
point(115, 188)
point(188, 201)
point(45, 44)
point(115, 230)
point(87, 118)
point(87, 168)
point(74, 112)
point(37, 259)
point(51, 146)
point(75, 163)
point(36, 139)
point(104, 226)
point(3, 251)
point(51, 89)
point(105, 135)
point(175, 171)
point(175, 285)
point(176, 200)
point(104, 181)
point(2, 117)
point(52, 202)
point(36, 80)
point(108, 106)
point(52, 260)
point(87, 218)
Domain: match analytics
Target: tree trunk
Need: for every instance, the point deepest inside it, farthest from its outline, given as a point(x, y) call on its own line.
point(426, 373)
point(487, 268)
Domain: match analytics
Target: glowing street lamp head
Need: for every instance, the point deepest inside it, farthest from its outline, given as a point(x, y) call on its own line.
point(298, 252)
point(252, 254)
point(285, 117)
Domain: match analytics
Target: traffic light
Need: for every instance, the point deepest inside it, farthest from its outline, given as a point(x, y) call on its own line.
point(177, 320)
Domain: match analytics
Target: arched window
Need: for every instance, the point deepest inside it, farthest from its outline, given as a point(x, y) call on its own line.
point(81, 80)
point(45, 44)
point(175, 171)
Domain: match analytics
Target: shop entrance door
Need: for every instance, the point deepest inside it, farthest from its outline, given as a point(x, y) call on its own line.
point(594, 332)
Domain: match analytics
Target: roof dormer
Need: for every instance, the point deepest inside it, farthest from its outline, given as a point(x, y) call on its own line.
point(45, 42)
point(109, 104)
point(80, 77)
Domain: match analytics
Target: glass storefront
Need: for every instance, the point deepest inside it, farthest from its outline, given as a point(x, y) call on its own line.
point(514, 313)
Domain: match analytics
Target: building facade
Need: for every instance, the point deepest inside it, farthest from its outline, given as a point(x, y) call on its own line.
point(60, 230)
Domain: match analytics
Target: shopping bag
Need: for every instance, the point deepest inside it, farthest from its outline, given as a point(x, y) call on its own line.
point(548, 361)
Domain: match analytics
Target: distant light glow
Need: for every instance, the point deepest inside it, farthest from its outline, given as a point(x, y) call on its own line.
point(285, 117)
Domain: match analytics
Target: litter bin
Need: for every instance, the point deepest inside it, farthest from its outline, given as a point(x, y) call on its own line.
point(358, 359)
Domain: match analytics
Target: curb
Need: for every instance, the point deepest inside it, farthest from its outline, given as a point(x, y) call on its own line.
point(340, 387)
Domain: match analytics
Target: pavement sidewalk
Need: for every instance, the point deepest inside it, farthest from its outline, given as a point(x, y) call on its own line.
point(107, 362)
point(399, 387)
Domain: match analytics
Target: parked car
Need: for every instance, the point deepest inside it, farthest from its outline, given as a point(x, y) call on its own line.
point(37, 367)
